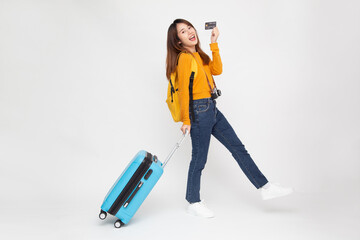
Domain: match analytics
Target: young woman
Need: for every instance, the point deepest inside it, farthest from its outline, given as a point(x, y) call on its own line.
point(202, 118)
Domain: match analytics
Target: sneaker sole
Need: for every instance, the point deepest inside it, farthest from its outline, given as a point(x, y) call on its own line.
point(282, 195)
point(195, 215)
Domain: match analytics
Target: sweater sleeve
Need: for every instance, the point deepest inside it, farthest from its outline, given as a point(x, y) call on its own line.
point(184, 72)
point(216, 64)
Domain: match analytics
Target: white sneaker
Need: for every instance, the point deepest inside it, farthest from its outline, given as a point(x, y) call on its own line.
point(274, 190)
point(200, 209)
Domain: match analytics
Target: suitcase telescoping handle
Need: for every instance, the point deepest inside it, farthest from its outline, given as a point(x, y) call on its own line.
point(177, 145)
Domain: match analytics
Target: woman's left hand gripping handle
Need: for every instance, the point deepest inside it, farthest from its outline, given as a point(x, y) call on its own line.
point(185, 128)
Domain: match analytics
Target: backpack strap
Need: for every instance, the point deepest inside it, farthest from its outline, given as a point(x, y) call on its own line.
point(191, 101)
point(191, 84)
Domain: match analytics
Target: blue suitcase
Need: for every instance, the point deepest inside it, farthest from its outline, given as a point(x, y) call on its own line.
point(134, 184)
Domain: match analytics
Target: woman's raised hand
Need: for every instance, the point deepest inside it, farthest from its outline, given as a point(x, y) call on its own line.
point(214, 35)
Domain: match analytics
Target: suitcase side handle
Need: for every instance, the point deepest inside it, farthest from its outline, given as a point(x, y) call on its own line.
point(177, 145)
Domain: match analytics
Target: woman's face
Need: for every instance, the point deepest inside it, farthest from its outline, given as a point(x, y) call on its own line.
point(187, 35)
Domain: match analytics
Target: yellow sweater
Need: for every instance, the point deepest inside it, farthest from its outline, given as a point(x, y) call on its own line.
point(201, 87)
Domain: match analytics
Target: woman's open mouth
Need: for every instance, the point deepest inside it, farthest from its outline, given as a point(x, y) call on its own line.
point(192, 38)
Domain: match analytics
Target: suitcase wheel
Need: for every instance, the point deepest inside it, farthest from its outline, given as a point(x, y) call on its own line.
point(102, 215)
point(118, 223)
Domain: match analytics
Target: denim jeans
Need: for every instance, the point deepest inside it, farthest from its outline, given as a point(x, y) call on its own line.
point(209, 120)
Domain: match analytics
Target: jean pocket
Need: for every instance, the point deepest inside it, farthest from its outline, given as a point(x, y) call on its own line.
point(202, 107)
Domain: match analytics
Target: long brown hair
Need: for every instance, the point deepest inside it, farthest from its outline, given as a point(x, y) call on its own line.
point(174, 47)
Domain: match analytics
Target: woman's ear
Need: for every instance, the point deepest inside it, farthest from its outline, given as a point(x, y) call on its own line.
point(180, 43)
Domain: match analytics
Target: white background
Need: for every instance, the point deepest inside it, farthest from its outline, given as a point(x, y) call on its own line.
point(83, 88)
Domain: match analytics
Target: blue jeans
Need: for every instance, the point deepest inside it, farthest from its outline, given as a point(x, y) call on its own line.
point(209, 120)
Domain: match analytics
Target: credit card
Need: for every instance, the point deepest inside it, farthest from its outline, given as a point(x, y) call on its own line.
point(210, 25)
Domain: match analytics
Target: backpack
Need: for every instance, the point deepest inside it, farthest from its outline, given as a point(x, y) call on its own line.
point(173, 100)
